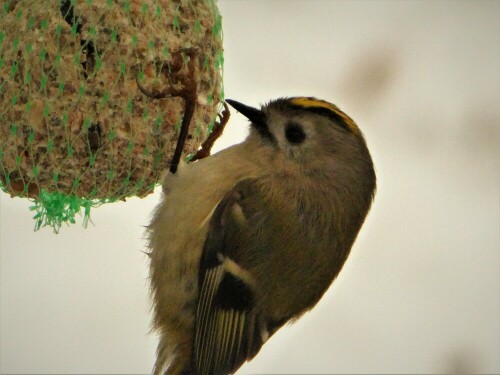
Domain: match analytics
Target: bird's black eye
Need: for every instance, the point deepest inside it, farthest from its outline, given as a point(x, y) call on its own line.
point(294, 133)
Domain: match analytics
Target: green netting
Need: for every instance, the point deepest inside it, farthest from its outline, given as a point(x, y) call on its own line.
point(76, 130)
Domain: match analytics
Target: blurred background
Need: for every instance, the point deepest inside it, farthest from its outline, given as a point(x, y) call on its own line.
point(420, 292)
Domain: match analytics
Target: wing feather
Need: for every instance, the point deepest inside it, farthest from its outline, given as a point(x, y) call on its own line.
point(228, 327)
point(219, 339)
point(205, 326)
point(223, 332)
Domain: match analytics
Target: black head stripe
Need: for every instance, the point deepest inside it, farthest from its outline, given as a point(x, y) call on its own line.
point(319, 107)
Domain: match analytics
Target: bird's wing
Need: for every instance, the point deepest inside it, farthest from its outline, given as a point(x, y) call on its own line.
point(228, 329)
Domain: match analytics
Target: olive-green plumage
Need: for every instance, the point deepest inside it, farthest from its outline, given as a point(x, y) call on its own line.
point(252, 237)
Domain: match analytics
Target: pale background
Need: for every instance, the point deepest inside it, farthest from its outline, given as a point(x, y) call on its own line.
point(420, 293)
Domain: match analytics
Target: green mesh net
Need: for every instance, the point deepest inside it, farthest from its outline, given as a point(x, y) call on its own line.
point(77, 128)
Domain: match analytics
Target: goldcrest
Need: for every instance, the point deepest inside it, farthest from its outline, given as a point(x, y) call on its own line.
point(250, 238)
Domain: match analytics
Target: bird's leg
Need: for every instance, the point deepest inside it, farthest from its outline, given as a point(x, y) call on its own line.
point(217, 130)
point(188, 92)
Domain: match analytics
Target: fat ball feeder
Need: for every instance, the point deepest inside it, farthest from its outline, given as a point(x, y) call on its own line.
point(99, 97)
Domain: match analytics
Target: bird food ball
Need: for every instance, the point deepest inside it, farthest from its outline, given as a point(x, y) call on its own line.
point(90, 110)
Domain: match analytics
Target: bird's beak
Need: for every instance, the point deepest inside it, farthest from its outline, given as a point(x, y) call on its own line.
point(257, 117)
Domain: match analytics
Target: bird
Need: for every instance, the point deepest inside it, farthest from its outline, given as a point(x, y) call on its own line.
point(250, 238)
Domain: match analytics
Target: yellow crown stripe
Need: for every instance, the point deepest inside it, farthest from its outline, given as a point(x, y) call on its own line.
point(306, 103)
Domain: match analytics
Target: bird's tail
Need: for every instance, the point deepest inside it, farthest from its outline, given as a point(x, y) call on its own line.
point(172, 362)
